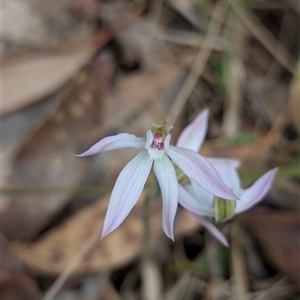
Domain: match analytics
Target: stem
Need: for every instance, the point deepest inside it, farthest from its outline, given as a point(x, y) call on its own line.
point(151, 283)
point(151, 196)
point(146, 228)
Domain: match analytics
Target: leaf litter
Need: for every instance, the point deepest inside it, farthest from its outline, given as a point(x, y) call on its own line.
point(123, 87)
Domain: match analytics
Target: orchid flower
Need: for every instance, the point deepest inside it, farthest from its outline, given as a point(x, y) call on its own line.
point(158, 152)
point(193, 137)
point(203, 203)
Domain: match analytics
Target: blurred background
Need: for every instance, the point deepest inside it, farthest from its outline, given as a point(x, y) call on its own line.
point(75, 71)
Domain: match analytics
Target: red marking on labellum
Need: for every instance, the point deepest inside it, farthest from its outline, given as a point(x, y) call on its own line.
point(159, 146)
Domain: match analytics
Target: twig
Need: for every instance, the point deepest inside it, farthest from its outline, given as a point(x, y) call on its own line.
point(286, 38)
point(200, 61)
point(279, 289)
point(151, 279)
point(270, 43)
point(294, 6)
point(238, 263)
point(155, 9)
point(211, 249)
point(84, 250)
point(235, 88)
point(181, 37)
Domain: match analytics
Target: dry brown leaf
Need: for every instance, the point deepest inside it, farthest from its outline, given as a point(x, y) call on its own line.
point(54, 250)
point(18, 126)
point(278, 235)
point(19, 287)
point(46, 159)
point(28, 81)
point(15, 284)
point(38, 23)
point(51, 254)
point(59, 19)
point(22, 25)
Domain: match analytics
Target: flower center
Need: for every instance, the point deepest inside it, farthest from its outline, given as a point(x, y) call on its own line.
point(158, 141)
point(158, 138)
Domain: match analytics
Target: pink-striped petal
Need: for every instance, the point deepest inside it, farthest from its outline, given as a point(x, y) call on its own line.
point(127, 191)
point(233, 163)
point(256, 192)
point(213, 229)
point(166, 176)
point(198, 204)
point(122, 140)
point(228, 173)
point(198, 169)
point(193, 135)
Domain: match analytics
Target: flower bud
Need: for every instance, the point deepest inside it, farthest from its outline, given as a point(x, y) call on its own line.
point(224, 209)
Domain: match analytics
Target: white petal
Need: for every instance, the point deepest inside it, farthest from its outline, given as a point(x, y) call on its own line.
point(234, 163)
point(127, 191)
point(149, 139)
point(167, 141)
point(122, 140)
point(228, 173)
point(201, 194)
point(197, 205)
point(166, 176)
point(193, 135)
point(198, 169)
point(213, 229)
point(256, 192)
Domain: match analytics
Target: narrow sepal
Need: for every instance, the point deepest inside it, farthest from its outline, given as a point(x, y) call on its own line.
point(193, 135)
point(213, 230)
point(166, 176)
point(196, 204)
point(119, 141)
point(256, 192)
point(127, 191)
point(228, 173)
point(198, 169)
